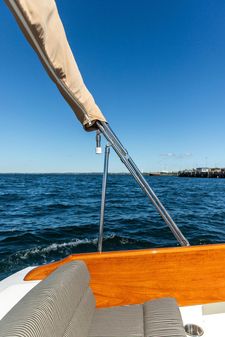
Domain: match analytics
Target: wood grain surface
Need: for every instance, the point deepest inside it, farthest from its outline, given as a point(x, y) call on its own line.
point(193, 275)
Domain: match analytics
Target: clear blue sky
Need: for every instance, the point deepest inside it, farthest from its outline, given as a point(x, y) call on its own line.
point(156, 69)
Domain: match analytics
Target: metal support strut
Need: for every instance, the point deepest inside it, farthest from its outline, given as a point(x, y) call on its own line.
point(136, 173)
point(104, 184)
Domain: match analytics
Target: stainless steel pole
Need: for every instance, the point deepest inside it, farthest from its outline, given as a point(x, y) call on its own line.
point(104, 184)
point(136, 173)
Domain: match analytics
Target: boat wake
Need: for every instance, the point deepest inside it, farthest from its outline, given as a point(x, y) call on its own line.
point(57, 250)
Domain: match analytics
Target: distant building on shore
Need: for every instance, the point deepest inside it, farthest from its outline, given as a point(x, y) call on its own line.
point(202, 169)
point(163, 173)
point(203, 172)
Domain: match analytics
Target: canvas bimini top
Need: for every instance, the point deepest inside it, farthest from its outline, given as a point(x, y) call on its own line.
point(44, 30)
point(40, 22)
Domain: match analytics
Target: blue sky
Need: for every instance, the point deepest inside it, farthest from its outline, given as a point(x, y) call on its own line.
point(155, 68)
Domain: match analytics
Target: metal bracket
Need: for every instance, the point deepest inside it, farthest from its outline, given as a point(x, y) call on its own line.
point(136, 173)
point(104, 185)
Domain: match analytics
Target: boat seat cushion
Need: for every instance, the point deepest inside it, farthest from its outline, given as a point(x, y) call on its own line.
point(63, 305)
point(118, 322)
point(162, 318)
point(156, 318)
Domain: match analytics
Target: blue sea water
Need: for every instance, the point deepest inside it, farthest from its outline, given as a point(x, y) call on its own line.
point(45, 217)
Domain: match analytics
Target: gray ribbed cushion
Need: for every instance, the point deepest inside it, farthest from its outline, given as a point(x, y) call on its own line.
point(162, 319)
point(56, 306)
point(118, 322)
point(63, 306)
point(80, 323)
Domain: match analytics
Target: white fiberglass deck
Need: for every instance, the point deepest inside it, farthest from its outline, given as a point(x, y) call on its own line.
point(210, 317)
point(12, 289)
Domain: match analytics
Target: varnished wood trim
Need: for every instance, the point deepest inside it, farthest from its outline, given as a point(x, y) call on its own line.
point(193, 275)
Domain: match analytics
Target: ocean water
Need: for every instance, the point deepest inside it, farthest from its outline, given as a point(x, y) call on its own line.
point(45, 217)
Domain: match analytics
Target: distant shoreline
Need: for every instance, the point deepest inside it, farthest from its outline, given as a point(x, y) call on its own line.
point(62, 173)
point(85, 173)
point(180, 174)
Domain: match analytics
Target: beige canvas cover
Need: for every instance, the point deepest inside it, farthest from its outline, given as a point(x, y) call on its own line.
point(42, 26)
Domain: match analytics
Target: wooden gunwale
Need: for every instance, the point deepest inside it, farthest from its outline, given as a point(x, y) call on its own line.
point(193, 275)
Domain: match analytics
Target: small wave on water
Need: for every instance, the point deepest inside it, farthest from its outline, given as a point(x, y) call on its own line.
point(44, 218)
point(42, 254)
